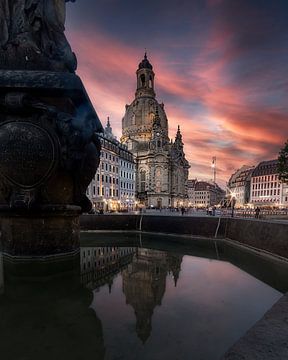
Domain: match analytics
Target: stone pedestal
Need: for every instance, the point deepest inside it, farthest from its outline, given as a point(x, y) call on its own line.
point(47, 233)
point(49, 153)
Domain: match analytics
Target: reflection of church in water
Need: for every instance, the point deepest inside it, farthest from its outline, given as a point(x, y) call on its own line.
point(144, 273)
point(144, 284)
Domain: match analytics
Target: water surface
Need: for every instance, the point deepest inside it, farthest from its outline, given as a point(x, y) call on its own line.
point(127, 297)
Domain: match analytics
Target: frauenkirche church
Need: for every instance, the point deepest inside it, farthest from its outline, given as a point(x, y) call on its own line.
point(161, 166)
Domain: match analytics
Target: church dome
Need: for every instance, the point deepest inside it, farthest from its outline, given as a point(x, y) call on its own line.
point(145, 64)
point(139, 117)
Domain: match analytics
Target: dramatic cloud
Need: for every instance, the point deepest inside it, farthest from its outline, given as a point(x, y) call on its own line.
point(221, 69)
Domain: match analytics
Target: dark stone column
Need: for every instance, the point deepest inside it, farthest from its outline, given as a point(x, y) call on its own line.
point(49, 150)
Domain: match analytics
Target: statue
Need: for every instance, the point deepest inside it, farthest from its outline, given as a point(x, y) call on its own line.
point(32, 35)
point(49, 148)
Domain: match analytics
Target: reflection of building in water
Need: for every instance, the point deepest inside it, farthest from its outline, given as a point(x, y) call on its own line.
point(144, 284)
point(99, 265)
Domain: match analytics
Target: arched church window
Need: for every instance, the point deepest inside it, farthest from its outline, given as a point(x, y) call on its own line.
point(158, 186)
point(133, 119)
point(158, 182)
point(158, 143)
point(142, 180)
point(142, 78)
point(150, 82)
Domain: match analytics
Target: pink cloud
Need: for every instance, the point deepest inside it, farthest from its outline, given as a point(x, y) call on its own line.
point(230, 127)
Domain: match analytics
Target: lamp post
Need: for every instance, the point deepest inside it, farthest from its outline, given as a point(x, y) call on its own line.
point(233, 202)
point(213, 165)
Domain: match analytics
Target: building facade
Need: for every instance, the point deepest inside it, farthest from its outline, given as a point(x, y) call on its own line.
point(161, 166)
point(266, 188)
point(203, 194)
point(113, 187)
point(100, 265)
point(191, 192)
point(239, 186)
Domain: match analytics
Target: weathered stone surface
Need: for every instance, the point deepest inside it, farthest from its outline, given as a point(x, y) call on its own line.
point(197, 226)
point(27, 153)
point(267, 339)
point(49, 150)
point(32, 36)
point(48, 135)
point(270, 236)
point(266, 235)
point(40, 233)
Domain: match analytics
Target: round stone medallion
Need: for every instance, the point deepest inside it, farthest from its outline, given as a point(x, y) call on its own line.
point(27, 153)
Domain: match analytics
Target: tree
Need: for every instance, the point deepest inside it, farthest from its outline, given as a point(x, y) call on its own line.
point(283, 163)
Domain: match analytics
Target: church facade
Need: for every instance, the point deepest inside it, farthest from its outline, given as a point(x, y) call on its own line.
point(161, 166)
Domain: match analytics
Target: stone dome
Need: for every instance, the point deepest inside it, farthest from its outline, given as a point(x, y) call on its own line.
point(145, 64)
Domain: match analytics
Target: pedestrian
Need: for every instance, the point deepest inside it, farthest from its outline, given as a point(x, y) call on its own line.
point(257, 213)
point(182, 210)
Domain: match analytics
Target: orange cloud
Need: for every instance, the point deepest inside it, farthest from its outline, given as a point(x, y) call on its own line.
point(216, 115)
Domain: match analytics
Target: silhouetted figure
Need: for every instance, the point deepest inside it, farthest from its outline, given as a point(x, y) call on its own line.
point(257, 213)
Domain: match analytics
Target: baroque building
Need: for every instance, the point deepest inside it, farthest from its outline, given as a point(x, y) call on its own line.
point(258, 186)
point(161, 166)
point(113, 187)
point(239, 185)
point(202, 194)
point(266, 188)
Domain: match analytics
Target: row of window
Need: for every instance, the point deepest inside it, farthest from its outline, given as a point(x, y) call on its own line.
point(107, 179)
point(127, 175)
point(114, 169)
point(129, 186)
point(264, 178)
point(203, 197)
point(111, 180)
point(265, 185)
point(123, 194)
point(266, 200)
point(101, 192)
point(109, 192)
point(128, 165)
point(109, 167)
point(266, 192)
point(116, 149)
point(114, 158)
point(106, 250)
point(109, 156)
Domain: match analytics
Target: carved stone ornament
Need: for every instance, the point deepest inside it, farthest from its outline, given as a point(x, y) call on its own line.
point(49, 150)
point(32, 36)
point(27, 154)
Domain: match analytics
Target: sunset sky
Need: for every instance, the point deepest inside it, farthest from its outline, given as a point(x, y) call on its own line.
point(221, 69)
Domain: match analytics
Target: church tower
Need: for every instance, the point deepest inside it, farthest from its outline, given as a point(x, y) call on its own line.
point(139, 116)
point(145, 132)
point(145, 79)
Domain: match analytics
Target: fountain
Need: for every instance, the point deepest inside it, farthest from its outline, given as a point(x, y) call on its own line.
point(49, 150)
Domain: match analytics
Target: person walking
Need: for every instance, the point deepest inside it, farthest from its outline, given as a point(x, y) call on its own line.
point(257, 213)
